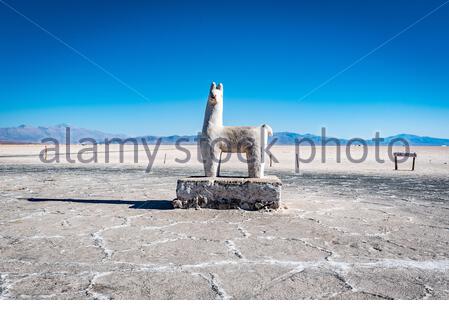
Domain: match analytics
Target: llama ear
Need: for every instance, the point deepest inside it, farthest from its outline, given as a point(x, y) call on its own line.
point(212, 86)
point(220, 86)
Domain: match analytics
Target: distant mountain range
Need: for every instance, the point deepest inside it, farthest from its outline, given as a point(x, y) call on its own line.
point(28, 134)
point(413, 140)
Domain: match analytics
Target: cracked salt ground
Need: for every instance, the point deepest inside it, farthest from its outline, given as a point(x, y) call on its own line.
point(109, 233)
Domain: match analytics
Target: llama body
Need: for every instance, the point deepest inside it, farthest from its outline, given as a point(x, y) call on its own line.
point(217, 138)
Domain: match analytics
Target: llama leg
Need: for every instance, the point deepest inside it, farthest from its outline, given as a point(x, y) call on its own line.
point(211, 164)
point(208, 161)
point(216, 158)
point(264, 138)
point(262, 159)
point(262, 169)
point(209, 170)
point(253, 159)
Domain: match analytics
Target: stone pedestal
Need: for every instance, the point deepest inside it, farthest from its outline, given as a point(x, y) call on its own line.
point(229, 193)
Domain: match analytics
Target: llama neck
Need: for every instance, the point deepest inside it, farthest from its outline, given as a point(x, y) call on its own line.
point(213, 116)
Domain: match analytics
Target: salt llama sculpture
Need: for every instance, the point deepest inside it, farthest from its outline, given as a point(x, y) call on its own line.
point(254, 192)
point(217, 138)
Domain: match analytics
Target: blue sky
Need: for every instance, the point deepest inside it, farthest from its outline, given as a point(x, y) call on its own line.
point(268, 54)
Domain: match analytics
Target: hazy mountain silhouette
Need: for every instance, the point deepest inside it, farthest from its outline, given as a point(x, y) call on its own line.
point(31, 134)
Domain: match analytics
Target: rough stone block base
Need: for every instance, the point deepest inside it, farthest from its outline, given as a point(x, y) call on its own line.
point(228, 193)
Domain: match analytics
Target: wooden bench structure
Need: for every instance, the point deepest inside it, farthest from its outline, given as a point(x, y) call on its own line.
point(404, 154)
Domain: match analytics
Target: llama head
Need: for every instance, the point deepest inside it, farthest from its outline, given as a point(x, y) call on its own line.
point(215, 93)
